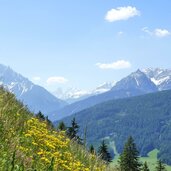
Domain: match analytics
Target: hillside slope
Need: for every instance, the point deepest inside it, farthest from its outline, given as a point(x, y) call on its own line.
point(27, 143)
point(147, 118)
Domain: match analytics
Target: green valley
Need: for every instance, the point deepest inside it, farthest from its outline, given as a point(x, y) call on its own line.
point(151, 160)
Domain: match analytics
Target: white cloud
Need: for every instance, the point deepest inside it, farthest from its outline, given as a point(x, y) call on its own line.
point(121, 64)
point(161, 32)
point(36, 78)
point(121, 13)
point(157, 32)
point(56, 80)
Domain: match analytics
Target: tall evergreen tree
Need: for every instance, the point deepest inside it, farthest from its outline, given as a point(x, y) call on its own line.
point(72, 131)
point(160, 166)
point(129, 158)
point(40, 116)
point(61, 126)
point(92, 150)
point(104, 153)
point(145, 167)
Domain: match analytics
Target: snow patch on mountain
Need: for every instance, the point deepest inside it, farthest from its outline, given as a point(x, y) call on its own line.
point(70, 93)
point(74, 94)
point(160, 81)
point(160, 77)
point(137, 81)
point(106, 86)
point(35, 97)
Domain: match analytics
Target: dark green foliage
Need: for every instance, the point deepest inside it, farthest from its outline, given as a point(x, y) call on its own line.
point(51, 167)
point(165, 149)
point(160, 166)
point(85, 137)
point(72, 131)
point(61, 126)
point(40, 116)
point(145, 167)
point(129, 158)
point(91, 149)
point(13, 161)
point(142, 117)
point(104, 153)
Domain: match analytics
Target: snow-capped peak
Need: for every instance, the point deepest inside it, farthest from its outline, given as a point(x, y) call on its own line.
point(35, 97)
point(74, 94)
point(160, 77)
point(14, 82)
point(104, 87)
point(70, 93)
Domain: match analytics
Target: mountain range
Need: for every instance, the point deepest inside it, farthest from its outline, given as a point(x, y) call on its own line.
point(137, 83)
point(35, 97)
point(160, 77)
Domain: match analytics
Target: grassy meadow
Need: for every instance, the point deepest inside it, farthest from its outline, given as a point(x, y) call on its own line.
point(28, 144)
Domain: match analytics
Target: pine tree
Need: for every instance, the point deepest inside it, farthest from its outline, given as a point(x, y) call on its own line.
point(104, 153)
point(73, 131)
point(129, 158)
point(40, 116)
point(61, 126)
point(145, 167)
point(92, 150)
point(160, 166)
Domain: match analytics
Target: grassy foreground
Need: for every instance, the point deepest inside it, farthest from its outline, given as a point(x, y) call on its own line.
point(28, 144)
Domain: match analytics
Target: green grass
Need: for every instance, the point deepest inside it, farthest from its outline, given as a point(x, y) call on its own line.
point(28, 143)
point(151, 158)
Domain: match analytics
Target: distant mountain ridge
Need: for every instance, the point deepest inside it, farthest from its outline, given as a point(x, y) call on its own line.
point(72, 95)
point(137, 83)
point(35, 97)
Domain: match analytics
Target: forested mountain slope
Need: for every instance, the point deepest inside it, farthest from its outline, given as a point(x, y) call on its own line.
point(147, 118)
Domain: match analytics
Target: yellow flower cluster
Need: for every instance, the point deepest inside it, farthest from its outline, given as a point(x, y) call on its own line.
point(44, 146)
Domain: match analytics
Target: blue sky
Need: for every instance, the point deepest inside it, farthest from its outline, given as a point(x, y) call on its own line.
point(83, 43)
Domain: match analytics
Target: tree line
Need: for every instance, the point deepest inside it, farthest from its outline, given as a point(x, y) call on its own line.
point(129, 159)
